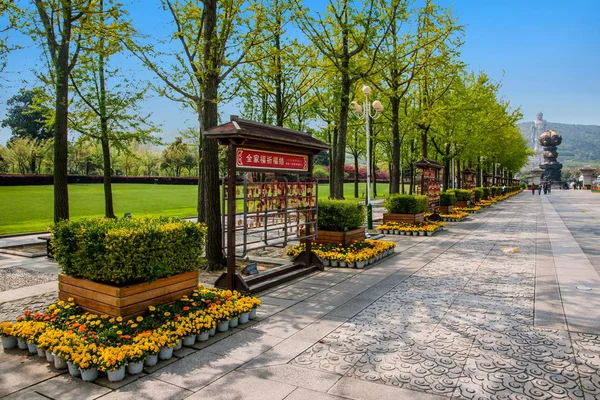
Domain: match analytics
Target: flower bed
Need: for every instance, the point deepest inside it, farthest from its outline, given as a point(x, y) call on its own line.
point(420, 229)
point(355, 255)
point(455, 216)
point(87, 343)
point(472, 209)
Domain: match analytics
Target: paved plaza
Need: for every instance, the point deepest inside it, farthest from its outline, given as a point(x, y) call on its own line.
point(504, 305)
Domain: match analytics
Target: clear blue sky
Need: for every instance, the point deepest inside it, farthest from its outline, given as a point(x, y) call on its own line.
point(546, 53)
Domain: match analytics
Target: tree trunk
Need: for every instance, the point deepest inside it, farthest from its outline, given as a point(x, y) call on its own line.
point(200, 204)
point(61, 141)
point(210, 148)
point(458, 175)
point(278, 73)
point(340, 156)
point(395, 168)
point(447, 167)
point(424, 143)
point(108, 197)
point(356, 175)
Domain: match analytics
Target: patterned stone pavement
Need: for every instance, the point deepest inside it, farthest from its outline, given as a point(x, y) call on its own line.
point(462, 326)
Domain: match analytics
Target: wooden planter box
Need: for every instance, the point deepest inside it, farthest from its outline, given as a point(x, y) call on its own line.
point(125, 301)
point(345, 238)
point(403, 218)
point(445, 209)
point(462, 203)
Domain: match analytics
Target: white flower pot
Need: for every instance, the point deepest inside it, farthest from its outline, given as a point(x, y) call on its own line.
point(342, 264)
point(212, 332)
point(334, 263)
point(292, 258)
point(233, 322)
point(203, 337)
point(49, 357)
point(59, 362)
point(396, 231)
point(360, 264)
point(244, 317)
point(9, 342)
point(89, 375)
point(353, 265)
point(429, 233)
point(134, 368)
point(189, 340)
point(326, 262)
point(21, 343)
point(223, 326)
point(151, 360)
point(41, 352)
point(116, 375)
point(179, 345)
point(165, 353)
point(32, 348)
point(73, 370)
point(253, 313)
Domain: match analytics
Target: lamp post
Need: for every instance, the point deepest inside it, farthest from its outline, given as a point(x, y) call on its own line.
point(365, 112)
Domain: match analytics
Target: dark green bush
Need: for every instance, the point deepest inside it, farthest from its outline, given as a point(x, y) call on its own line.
point(340, 215)
point(478, 194)
point(127, 250)
point(406, 204)
point(497, 190)
point(463, 194)
point(448, 198)
point(486, 192)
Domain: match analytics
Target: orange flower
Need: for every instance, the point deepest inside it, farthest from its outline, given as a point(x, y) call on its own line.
point(186, 308)
point(82, 329)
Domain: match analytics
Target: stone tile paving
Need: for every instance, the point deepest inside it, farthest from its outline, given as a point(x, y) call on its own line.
point(462, 326)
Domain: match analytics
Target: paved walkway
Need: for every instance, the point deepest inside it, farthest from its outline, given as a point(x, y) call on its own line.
point(454, 315)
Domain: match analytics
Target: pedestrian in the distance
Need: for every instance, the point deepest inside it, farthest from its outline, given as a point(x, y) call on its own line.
point(540, 190)
point(503, 190)
point(545, 187)
point(550, 187)
point(533, 189)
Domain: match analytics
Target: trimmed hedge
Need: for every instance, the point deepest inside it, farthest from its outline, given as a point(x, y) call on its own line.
point(406, 204)
point(486, 192)
point(24, 180)
point(463, 194)
point(125, 251)
point(497, 190)
point(478, 194)
point(340, 215)
point(447, 198)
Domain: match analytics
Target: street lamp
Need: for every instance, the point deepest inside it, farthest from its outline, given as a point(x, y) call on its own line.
point(365, 112)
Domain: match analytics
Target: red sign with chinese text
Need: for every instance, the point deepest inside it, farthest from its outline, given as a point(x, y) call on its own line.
point(270, 160)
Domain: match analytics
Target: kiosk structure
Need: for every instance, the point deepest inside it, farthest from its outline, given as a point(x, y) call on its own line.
point(265, 208)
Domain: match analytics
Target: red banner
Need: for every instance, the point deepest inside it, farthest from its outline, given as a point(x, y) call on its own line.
point(270, 160)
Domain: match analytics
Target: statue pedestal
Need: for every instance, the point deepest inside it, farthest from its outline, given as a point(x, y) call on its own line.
point(537, 175)
point(588, 176)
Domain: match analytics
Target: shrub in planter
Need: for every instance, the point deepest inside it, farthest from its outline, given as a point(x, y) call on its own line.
point(127, 250)
point(447, 198)
point(486, 193)
point(463, 194)
point(340, 215)
point(478, 194)
point(406, 204)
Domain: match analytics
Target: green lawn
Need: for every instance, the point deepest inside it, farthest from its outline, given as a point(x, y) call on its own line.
point(30, 208)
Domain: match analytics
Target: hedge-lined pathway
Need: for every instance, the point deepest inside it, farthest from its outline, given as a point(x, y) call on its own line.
point(449, 316)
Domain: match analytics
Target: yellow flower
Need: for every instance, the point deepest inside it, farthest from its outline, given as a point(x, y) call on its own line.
point(167, 314)
point(71, 299)
point(152, 308)
point(139, 319)
point(119, 319)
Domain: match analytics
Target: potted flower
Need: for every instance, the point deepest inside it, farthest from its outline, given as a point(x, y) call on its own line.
point(113, 360)
point(149, 344)
point(167, 341)
point(86, 358)
point(6, 333)
point(64, 351)
point(136, 355)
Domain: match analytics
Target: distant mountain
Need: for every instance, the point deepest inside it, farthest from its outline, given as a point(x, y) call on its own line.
point(580, 143)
